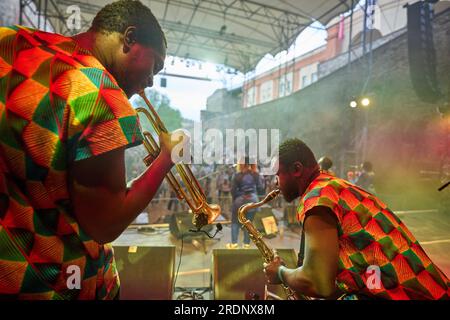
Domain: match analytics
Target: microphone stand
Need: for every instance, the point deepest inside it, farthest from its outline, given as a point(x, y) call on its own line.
point(444, 186)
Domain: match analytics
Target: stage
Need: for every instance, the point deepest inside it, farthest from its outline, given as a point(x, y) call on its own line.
point(430, 227)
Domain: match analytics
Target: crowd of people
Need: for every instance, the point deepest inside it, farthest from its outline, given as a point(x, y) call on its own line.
point(216, 181)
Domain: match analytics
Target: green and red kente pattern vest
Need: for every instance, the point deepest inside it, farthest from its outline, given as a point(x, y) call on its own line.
point(370, 234)
point(58, 105)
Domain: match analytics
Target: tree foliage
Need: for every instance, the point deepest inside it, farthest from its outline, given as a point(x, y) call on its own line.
point(170, 116)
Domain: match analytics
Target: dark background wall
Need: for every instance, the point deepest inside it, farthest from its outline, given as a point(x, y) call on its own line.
point(407, 138)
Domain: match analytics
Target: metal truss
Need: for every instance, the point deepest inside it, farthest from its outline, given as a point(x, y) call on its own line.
point(284, 25)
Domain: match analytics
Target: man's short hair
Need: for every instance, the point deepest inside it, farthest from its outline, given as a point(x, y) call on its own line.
point(293, 150)
point(119, 15)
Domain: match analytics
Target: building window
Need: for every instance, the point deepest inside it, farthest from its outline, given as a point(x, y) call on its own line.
point(266, 91)
point(305, 81)
point(250, 97)
point(285, 85)
point(308, 75)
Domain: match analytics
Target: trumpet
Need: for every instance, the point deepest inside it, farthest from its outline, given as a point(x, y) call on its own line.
point(267, 253)
point(203, 213)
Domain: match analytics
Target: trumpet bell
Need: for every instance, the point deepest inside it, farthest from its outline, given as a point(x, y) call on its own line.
point(207, 216)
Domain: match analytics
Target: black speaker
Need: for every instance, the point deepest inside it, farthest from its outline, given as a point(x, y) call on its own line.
point(163, 82)
point(146, 273)
point(265, 222)
point(238, 274)
point(181, 223)
point(421, 52)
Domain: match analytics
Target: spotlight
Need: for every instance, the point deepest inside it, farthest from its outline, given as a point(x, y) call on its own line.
point(353, 104)
point(365, 102)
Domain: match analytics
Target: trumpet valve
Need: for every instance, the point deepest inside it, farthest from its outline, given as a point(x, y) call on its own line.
point(149, 159)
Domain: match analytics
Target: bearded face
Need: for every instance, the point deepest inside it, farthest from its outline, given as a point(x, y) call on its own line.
point(288, 183)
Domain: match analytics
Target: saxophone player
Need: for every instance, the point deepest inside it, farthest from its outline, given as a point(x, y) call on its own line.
point(355, 247)
point(64, 128)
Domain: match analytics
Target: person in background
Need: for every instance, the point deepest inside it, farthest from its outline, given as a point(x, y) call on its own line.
point(351, 176)
point(223, 184)
point(366, 177)
point(245, 185)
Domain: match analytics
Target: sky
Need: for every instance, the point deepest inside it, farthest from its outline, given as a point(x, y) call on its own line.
point(189, 96)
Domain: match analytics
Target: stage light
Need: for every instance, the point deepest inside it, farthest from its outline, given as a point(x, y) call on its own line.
point(222, 30)
point(353, 104)
point(365, 102)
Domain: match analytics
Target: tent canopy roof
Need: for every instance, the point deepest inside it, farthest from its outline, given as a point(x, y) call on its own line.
point(236, 33)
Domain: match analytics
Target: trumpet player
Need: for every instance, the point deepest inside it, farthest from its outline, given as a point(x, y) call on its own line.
point(65, 124)
point(353, 245)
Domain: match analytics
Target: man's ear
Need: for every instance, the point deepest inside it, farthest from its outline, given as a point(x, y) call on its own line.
point(129, 38)
point(297, 169)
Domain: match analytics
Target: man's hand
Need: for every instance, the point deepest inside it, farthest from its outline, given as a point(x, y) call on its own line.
point(271, 270)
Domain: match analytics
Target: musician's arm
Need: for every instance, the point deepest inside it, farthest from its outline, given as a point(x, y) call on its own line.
point(317, 276)
point(102, 203)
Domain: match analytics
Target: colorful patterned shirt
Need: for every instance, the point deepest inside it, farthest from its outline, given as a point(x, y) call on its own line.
point(58, 105)
point(371, 238)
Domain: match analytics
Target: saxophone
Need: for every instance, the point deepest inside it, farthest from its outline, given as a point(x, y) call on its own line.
point(256, 237)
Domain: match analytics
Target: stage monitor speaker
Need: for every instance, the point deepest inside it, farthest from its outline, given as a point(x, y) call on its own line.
point(238, 274)
point(181, 223)
point(265, 222)
point(146, 273)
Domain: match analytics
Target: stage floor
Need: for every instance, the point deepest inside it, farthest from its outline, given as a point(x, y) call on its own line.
point(430, 227)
